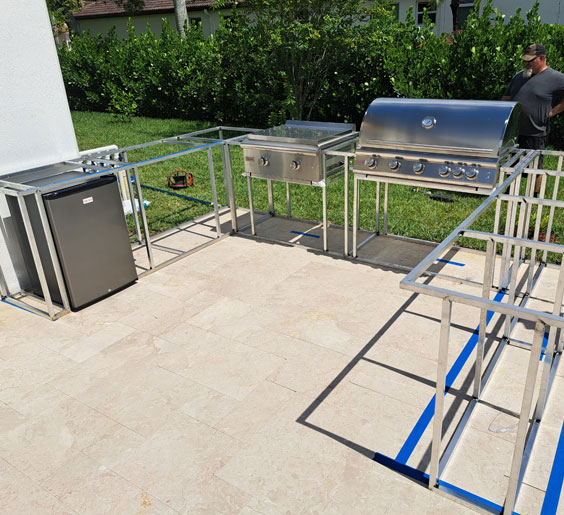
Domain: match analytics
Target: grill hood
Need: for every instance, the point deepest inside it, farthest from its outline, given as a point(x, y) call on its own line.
point(469, 127)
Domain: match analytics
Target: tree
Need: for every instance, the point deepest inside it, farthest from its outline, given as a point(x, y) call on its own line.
point(305, 36)
point(181, 16)
point(60, 12)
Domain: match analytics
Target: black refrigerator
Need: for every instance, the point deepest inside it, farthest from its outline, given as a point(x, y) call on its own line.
point(91, 238)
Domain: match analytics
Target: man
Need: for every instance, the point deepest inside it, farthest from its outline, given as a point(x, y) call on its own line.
point(538, 88)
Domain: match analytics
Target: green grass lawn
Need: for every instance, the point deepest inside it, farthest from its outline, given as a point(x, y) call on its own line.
point(411, 213)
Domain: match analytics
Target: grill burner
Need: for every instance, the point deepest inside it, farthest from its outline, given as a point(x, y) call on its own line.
point(293, 152)
point(446, 144)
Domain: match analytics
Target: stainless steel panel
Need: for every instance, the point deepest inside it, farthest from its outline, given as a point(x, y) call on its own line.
point(428, 168)
point(476, 127)
point(286, 166)
point(302, 133)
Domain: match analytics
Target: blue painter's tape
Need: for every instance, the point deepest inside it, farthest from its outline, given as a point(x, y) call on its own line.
point(544, 344)
point(425, 419)
point(554, 487)
point(305, 234)
point(451, 262)
point(423, 478)
point(475, 499)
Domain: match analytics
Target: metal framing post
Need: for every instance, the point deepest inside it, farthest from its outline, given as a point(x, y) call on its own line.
point(224, 167)
point(386, 191)
point(36, 257)
point(549, 351)
point(214, 192)
point(488, 272)
point(52, 251)
point(288, 201)
point(251, 209)
point(522, 429)
point(377, 221)
point(509, 231)
point(440, 392)
point(132, 201)
point(144, 219)
point(356, 193)
point(325, 224)
point(228, 175)
point(346, 208)
point(270, 196)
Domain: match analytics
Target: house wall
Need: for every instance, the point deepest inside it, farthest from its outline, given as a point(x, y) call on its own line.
point(35, 123)
point(550, 11)
point(209, 18)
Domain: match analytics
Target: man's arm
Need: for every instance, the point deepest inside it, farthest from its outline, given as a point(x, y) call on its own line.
point(557, 109)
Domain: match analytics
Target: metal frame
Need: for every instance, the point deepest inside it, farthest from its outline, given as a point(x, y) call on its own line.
point(515, 174)
point(331, 150)
point(98, 163)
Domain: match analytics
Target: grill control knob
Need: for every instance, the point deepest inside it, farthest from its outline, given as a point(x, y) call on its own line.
point(295, 165)
point(371, 162)
point(472, 174)
point(444, 170)
point(418, 168)
point(394, 164)
point(458, 172)
point(263, 161)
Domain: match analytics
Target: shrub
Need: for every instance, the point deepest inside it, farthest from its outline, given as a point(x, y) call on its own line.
point(313, 65)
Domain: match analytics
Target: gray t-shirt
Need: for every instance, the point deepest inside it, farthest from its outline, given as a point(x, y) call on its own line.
point(537, 96)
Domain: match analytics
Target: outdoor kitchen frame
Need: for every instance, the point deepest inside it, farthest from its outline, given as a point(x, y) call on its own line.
point(518, 174)
point(105, 162)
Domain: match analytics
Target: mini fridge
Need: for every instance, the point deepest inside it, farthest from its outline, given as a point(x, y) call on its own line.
point(91, 238)
point(90, 235)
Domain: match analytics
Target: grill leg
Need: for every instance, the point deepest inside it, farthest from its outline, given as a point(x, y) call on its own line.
point(251, 209)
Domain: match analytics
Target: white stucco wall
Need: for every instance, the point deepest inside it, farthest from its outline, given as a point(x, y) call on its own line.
point(35, 122)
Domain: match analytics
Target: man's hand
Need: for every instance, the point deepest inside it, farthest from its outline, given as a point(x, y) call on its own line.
point(557, 109)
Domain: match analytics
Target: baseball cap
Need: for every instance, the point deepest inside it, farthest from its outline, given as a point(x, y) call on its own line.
point(533, 51)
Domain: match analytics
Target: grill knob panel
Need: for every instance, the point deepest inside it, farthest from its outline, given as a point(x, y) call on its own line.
point(263, 161)
point(444, 170)
point(394, 165)
point(371, 162)
point(295, 165)
point(458, 172)
point(418, 168)
point(472, 174)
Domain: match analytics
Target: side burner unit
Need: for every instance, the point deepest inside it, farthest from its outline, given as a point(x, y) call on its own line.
point(444, 144)
point(293, 152)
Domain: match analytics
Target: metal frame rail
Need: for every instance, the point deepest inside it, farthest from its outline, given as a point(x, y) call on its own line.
point(516, 192)
point(98, 163)
point(323, 184)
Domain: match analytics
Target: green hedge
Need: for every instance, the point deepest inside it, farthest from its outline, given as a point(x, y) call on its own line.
point(240, 74)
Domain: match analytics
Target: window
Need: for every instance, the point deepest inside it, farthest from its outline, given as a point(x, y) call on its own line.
point(195, 22)
point(431, 11)
point(464, 9)
point(394, 8)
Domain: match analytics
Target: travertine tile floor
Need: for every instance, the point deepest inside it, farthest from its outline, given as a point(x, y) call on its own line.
point(246, 378)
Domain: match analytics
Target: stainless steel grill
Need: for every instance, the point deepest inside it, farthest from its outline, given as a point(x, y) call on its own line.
point(446, 144)
point(293, 152)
